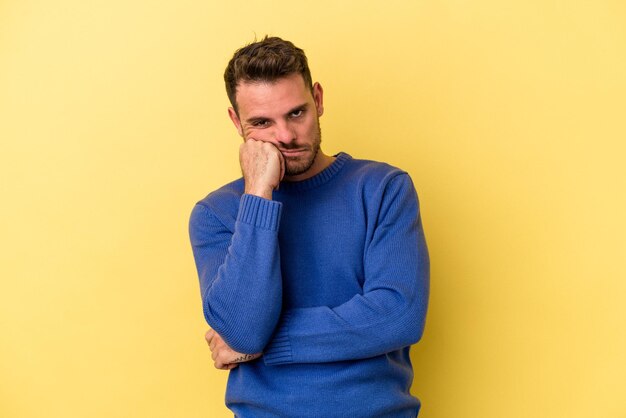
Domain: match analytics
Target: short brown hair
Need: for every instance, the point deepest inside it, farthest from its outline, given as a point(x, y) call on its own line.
point(266, 60)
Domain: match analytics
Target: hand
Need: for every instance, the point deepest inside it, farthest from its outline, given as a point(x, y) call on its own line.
point(224, 357)
point(263, 167)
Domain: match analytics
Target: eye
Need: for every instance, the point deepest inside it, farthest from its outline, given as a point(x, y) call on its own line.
point(261, 123)
point(297, 113)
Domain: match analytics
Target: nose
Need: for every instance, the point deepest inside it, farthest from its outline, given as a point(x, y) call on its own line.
point(284, 134)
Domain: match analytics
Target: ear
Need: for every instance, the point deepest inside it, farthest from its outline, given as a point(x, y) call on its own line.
point(318, 97)
point(236, 121)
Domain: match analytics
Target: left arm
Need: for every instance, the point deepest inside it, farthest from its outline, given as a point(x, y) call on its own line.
point(391, 311)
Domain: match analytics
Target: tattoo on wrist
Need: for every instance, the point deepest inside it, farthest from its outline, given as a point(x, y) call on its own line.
point(245, 357)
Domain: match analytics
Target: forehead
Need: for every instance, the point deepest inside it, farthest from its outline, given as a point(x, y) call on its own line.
point(276, 96)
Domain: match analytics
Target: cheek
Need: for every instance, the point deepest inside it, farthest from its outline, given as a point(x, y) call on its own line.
point(258, 134)
point(308, 129)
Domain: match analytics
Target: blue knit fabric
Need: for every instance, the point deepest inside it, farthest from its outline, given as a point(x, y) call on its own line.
point(330, 280)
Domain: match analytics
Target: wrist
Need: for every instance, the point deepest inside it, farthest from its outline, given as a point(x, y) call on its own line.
point(264, 192)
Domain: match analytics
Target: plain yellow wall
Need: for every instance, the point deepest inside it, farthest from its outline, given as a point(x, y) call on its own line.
point(509, 115)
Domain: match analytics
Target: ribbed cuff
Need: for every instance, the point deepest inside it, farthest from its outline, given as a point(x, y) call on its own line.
point(278, 351)
point(259, 212)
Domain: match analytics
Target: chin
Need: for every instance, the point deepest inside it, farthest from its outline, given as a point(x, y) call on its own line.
point(297, 167)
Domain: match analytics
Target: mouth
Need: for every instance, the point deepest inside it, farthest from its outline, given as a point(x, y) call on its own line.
point(293, 153)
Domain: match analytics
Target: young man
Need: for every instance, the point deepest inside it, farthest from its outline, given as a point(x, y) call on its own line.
point(313, 268)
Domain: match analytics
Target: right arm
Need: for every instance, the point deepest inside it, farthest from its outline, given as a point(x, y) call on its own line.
point(239, 270)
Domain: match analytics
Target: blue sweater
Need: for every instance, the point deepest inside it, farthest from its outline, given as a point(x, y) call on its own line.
point(330, 280)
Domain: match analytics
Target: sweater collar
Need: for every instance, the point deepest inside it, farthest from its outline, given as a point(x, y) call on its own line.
point(317, 180)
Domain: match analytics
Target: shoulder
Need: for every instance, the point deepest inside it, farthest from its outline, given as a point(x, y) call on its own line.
point(227, 195)
point(221, 204)
point(383, 188)
point(375, 176)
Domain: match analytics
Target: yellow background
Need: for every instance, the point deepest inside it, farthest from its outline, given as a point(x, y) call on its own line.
point(509, 115)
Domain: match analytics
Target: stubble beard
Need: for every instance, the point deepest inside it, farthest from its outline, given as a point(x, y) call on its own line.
point(297, 166)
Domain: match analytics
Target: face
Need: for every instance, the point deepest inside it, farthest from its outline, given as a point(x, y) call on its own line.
point(285, 113)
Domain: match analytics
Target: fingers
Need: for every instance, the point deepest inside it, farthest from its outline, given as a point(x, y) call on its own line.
point(208, 336)
point(218, 365)
point(224, 357)
point(228, 366)
point(282, 166)
point(219, 351)
point(262, 166)
point(222, 360)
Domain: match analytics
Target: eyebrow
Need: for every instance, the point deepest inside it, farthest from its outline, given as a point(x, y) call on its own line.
point(254, 119)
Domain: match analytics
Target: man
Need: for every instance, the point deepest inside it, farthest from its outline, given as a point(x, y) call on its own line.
point(313, 268)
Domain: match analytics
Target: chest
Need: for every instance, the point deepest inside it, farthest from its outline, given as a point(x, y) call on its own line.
point(322, 242)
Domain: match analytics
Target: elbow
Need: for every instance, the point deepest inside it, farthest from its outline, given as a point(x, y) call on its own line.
point(248, 345)
point(414, 321)
point(417, 333)
point(418, 323)
point(412, 332)
point(242, 339)
point(419, 309)
point(246, 336)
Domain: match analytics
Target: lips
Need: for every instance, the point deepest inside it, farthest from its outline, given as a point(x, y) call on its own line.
point(293, 153)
